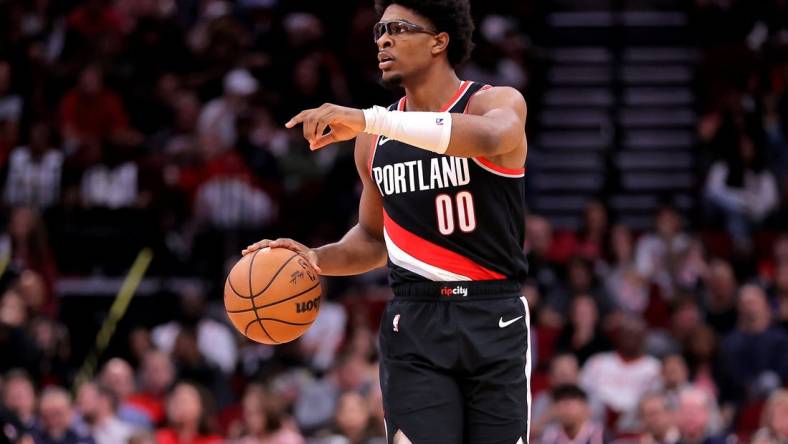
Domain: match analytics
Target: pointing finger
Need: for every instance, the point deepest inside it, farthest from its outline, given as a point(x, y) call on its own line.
point(298, 118)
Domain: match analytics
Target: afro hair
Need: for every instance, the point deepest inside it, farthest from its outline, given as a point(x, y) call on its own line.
point(450, 16)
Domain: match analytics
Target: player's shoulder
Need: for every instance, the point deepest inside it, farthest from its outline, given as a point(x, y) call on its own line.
point(489, 97)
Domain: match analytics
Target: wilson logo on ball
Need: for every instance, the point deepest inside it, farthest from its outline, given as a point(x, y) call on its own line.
point(303, 307)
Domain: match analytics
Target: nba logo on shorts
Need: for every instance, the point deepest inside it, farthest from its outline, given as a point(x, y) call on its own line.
point(396, 322)
point(439, 121)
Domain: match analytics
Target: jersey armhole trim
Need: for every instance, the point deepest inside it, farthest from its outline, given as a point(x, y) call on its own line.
point(372, 150)
point(489, 166)
point(467, 105)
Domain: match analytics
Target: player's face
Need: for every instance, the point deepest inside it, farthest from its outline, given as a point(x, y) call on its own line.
point(408, 49)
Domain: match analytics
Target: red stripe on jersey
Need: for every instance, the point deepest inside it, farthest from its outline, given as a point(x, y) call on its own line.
point(460, 91)
point(486, 162)
point(448, 105)
point(436, 255)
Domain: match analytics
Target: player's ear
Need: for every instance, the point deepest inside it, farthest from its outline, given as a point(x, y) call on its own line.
point(440, 43)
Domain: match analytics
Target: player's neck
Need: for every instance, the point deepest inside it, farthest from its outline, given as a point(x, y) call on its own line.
point(432, 90)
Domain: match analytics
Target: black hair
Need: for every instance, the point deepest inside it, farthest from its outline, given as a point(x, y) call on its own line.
point(450, 16)
point(568, 391)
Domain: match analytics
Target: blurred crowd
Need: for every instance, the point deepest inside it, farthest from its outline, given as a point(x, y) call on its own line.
point(132, 123)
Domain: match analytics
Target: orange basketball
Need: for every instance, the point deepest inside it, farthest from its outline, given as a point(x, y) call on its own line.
point(272, 295)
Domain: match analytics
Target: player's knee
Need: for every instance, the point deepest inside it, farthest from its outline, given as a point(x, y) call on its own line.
point(400, 438)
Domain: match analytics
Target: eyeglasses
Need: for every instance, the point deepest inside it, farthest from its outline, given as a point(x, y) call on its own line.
point(396, 27)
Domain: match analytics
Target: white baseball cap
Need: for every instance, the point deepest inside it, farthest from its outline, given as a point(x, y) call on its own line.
point(239, 81)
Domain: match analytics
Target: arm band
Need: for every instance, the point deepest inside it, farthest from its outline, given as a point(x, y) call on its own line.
point(425, 130)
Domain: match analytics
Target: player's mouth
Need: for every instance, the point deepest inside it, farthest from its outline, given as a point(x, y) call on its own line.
point(385, 60)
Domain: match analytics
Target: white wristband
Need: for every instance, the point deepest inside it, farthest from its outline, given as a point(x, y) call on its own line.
point(425, 130)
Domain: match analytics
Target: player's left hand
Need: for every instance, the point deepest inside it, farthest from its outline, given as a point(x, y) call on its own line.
point(343, 123)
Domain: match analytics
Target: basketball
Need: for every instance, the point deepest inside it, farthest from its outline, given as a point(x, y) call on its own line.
point(272, 296)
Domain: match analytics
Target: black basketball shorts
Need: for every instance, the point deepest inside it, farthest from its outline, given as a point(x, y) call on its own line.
point(455, 363)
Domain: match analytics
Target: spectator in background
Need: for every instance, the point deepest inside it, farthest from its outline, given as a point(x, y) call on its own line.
point(657, 252)
point(564, 370)
point(188, 417)
point(581, 282)
point(58, 424)
point(692, 419)
point(498, 54)
point(684, 320)
point(17, 346)
point(321, 342)
point(112, 183)
point(34, 171)
point(91, 115)
point(720, 297)
point(573, 419)
point(10, 112)
point(593, 235)
point(226, 194)
point(219, 116)
point(781, 293)
point(94, 20)
point(753, 356)
point(691, 268)
point(317, 401)
point(98, 405)
point(118, 376)
point(657, 420)
point(156, 377)
point(701, 352)
point(743, 190)
point(19, 396)
point(774, 423)
point(178, 142)
point(29, 246)
point(538, 238)
point(54, 341)
point(263, 420)
point(619, 378)
point(192, 365)
point(623, 281)
point(352, 423)
point(214, 339)
point(675, 379)
point(31, 286)
point(582, 335)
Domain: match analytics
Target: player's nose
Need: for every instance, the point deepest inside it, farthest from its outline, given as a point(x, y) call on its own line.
point(384, 41)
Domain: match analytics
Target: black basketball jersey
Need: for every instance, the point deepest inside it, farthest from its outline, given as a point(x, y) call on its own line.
point(449, 218)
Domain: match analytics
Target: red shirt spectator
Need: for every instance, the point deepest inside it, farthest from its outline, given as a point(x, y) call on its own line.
point(90, 112)
point(187, 418)
point(95, 19)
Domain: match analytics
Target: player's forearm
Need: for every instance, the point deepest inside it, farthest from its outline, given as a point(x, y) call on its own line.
point(357, 252)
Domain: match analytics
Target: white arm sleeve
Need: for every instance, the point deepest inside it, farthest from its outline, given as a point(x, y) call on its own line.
point(425, 130)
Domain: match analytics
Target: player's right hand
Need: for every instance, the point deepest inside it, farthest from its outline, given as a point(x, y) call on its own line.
point(306, 252)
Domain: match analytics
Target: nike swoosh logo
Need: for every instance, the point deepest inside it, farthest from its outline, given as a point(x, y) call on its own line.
point(503, 324)
point(383, 140)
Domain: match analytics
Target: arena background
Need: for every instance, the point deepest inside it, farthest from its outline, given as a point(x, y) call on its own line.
point(153, 129)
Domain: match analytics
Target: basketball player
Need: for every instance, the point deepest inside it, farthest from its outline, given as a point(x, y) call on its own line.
point(442, 204)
